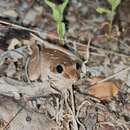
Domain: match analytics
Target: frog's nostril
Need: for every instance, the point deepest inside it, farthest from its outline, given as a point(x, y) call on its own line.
point(78, 66)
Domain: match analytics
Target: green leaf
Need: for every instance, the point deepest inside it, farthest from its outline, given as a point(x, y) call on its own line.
point(63, 5)
point(114, 3)
point(102, 10)
point(50, 4)
point(55, 11)
point(58, 11)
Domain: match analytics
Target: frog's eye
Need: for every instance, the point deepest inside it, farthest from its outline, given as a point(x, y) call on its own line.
point(59, 68)
point(78, 66)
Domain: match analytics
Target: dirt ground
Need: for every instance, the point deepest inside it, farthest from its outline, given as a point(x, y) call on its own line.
point(99, 100)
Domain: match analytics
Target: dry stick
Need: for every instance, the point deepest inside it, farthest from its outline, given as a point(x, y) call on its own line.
point(13, 118)
point(21, 27)
point(72, 100)
point(110, 52)
point(87, 57)
point(96, 48)
point(78, 109)
point(73, 116)
point(66, 40)
point(73, 108)
point(26, 72)
point(112, 76)
point(88, 51)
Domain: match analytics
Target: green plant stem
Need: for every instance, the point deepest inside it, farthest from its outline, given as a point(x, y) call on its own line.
point(61, 31)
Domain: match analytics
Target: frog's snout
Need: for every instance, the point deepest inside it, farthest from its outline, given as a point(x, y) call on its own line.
point(72, 74)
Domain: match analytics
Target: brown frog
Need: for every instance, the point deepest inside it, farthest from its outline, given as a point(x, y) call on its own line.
point(55, 65)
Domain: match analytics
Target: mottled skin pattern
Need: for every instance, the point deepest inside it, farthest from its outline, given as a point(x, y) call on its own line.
point(43, 65)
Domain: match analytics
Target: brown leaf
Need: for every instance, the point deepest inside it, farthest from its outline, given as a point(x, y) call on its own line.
point(107, 127)
point(105, 90)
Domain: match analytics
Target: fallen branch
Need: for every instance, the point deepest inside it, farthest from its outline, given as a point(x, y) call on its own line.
point(11, 87)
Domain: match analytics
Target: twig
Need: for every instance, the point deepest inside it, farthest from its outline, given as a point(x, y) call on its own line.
point(72, 100)
point(88, 51)
point(13, 118)
point(114, 75)
point(108, 123)
point(87, 57)
point(26, 72)
point(71, 111)
point(21, 27)
point(59, 111)
point(77, 115)
point(110, 52)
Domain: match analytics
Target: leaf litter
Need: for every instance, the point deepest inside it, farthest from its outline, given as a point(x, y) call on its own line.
point(94, 103)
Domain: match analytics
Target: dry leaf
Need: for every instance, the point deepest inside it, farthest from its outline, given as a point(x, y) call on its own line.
point(107, 127)
point(105, 90)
